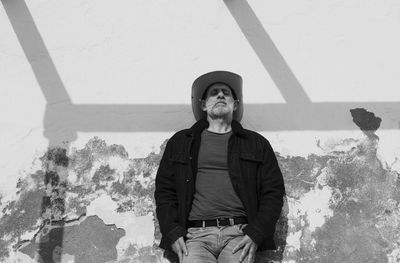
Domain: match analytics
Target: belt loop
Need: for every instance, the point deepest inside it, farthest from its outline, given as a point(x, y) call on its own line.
point(204, 224)
point(231, 221)
point(218, 222)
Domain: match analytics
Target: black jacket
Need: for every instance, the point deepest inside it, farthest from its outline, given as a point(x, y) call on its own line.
point(253, 170)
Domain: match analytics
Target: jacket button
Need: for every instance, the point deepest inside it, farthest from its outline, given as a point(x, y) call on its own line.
point(190, 158)
point(187, 180)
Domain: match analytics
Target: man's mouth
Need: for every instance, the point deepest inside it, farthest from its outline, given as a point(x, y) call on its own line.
point(223, 102)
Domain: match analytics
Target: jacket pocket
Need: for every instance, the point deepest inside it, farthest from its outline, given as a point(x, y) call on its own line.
point(180, 166)
point(250, 163)
point(179, 158)
point(251, 157)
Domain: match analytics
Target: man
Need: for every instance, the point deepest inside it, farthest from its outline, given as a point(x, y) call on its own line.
point(219, 190)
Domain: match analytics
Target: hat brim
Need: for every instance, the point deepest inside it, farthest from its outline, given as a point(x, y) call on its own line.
point(201, 84)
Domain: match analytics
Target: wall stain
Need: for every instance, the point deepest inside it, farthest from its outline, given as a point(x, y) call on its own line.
point(363, 223)
point(88, 241)
point(366, 121)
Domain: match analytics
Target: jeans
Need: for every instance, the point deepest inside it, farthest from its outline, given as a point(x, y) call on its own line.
point(214, 244)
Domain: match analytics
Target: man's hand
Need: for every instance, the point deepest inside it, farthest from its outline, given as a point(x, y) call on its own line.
point(249, 249)
point(179, 247)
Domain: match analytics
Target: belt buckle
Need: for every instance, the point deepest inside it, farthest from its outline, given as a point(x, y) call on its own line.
point(218, 222)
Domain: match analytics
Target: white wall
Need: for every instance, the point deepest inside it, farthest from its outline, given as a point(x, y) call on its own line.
point(330, 55)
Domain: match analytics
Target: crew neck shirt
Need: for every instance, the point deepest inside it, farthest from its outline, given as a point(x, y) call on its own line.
point(215, 196)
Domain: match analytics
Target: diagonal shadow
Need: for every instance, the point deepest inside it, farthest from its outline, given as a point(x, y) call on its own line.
point(267, 52)
point(299, 113)
point(35, 51)
point(63, 119)
point(55, 93)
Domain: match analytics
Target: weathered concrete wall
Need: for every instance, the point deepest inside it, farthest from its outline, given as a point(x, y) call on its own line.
point(91, 91)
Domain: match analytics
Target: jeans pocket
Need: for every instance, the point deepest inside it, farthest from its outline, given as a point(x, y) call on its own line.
point(194, 233)
point(195, 230)
point(239, 227)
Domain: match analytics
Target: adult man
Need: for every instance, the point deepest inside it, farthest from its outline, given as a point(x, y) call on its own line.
point(219, 189)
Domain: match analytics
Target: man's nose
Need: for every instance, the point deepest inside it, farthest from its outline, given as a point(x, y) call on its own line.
point(220, 94)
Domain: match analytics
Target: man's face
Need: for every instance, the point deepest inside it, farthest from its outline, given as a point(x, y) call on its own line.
point(219, 101)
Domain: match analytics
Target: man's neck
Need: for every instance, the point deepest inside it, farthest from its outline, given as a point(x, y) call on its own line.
point(219, 125)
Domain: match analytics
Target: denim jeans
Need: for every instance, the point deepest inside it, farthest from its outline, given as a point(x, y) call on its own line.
point(214, 244)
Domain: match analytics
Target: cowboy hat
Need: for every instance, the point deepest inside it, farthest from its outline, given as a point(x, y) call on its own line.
point(202, 83)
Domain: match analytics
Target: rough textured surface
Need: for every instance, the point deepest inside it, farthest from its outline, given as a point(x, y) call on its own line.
point(87, 241)
point(342, 206)
point(130, 184)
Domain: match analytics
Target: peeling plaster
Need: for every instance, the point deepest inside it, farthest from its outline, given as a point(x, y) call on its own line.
point(342, 203)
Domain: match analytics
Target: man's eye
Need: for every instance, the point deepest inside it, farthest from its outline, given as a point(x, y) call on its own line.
point(216, 91)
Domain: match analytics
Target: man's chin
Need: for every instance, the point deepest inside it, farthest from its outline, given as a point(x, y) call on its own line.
point(219, 114)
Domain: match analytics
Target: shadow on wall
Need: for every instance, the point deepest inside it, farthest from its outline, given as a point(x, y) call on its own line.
point(63, 119)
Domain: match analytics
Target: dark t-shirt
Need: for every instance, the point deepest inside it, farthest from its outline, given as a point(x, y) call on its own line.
point(214, 196)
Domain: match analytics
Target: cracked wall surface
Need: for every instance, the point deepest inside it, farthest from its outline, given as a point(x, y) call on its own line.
point(340, 206)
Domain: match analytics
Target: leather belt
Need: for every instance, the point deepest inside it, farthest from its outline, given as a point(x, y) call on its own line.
point(218, 222)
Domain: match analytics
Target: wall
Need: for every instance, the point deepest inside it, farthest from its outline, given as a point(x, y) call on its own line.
point(91, 90)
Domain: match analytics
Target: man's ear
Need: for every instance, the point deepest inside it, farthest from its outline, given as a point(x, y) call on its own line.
point(203, 105)
point(235, 105)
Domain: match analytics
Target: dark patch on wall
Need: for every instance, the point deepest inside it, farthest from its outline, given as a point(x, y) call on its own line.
point(300, 173)
point(55, 165)
point(23, 214)
point(82, 160)
point(4, 253)
point(89, 241)
point(366, 121)
point(57, 155)
point(20, 216)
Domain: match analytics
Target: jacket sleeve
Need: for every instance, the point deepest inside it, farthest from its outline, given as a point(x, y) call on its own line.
point(271, 194)
point(166, 199)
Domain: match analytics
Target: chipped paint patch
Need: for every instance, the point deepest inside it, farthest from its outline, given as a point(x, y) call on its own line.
point(320, 143)
point(137, 144)
point(314, 206)
point(293, 241)
point(139, 231)
point(87, 239)
point(394, 257)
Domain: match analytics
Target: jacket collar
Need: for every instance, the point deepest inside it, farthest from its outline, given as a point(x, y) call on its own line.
point(202, 124)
